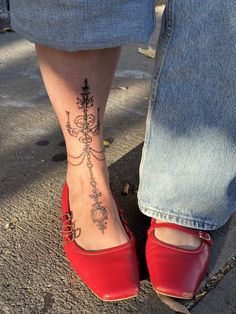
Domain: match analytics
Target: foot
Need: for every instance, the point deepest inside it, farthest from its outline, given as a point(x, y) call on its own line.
point(97, 230)
point(176, 237)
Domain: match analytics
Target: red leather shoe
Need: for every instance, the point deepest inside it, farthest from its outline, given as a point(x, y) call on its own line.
point(111, 274)
point(174, 271)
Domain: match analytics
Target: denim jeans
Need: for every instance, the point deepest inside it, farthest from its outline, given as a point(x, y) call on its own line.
point(74, 25)
point(188, 167)
point(4, 15)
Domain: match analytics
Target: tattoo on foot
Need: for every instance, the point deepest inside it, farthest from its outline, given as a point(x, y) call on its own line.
point(86, 127)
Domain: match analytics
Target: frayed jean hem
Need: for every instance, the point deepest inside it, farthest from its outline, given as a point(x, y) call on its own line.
point(183, 220)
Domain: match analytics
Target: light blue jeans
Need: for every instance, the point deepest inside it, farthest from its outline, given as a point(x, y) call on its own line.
point(188, 167)
point(74, 25)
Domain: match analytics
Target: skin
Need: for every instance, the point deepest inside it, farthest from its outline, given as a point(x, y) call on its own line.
point(177, 238)
point(64, 74)
point(78, 85)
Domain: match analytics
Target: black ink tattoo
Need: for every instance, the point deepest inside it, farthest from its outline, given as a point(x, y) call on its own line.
point(86, 127)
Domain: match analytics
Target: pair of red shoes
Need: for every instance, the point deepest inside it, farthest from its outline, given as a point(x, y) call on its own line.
point(112, 274)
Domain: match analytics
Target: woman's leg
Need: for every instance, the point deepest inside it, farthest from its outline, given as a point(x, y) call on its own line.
point(78, 84)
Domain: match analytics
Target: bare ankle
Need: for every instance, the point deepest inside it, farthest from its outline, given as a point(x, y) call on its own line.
point(82, 175)
point(176, 237)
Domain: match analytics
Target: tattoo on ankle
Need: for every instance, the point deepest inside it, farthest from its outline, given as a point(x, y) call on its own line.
point(86, 127)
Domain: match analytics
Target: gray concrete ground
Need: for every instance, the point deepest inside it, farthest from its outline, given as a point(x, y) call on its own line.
point(222, 299)
point(35, 276)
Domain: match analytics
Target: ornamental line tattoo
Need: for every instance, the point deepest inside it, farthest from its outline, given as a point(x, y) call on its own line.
point(86, 127)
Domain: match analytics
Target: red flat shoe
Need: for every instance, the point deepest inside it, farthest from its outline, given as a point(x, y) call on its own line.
point(174, 271)
point(111, 274)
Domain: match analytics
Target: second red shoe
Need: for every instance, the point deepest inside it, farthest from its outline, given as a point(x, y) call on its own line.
point(174, 271)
